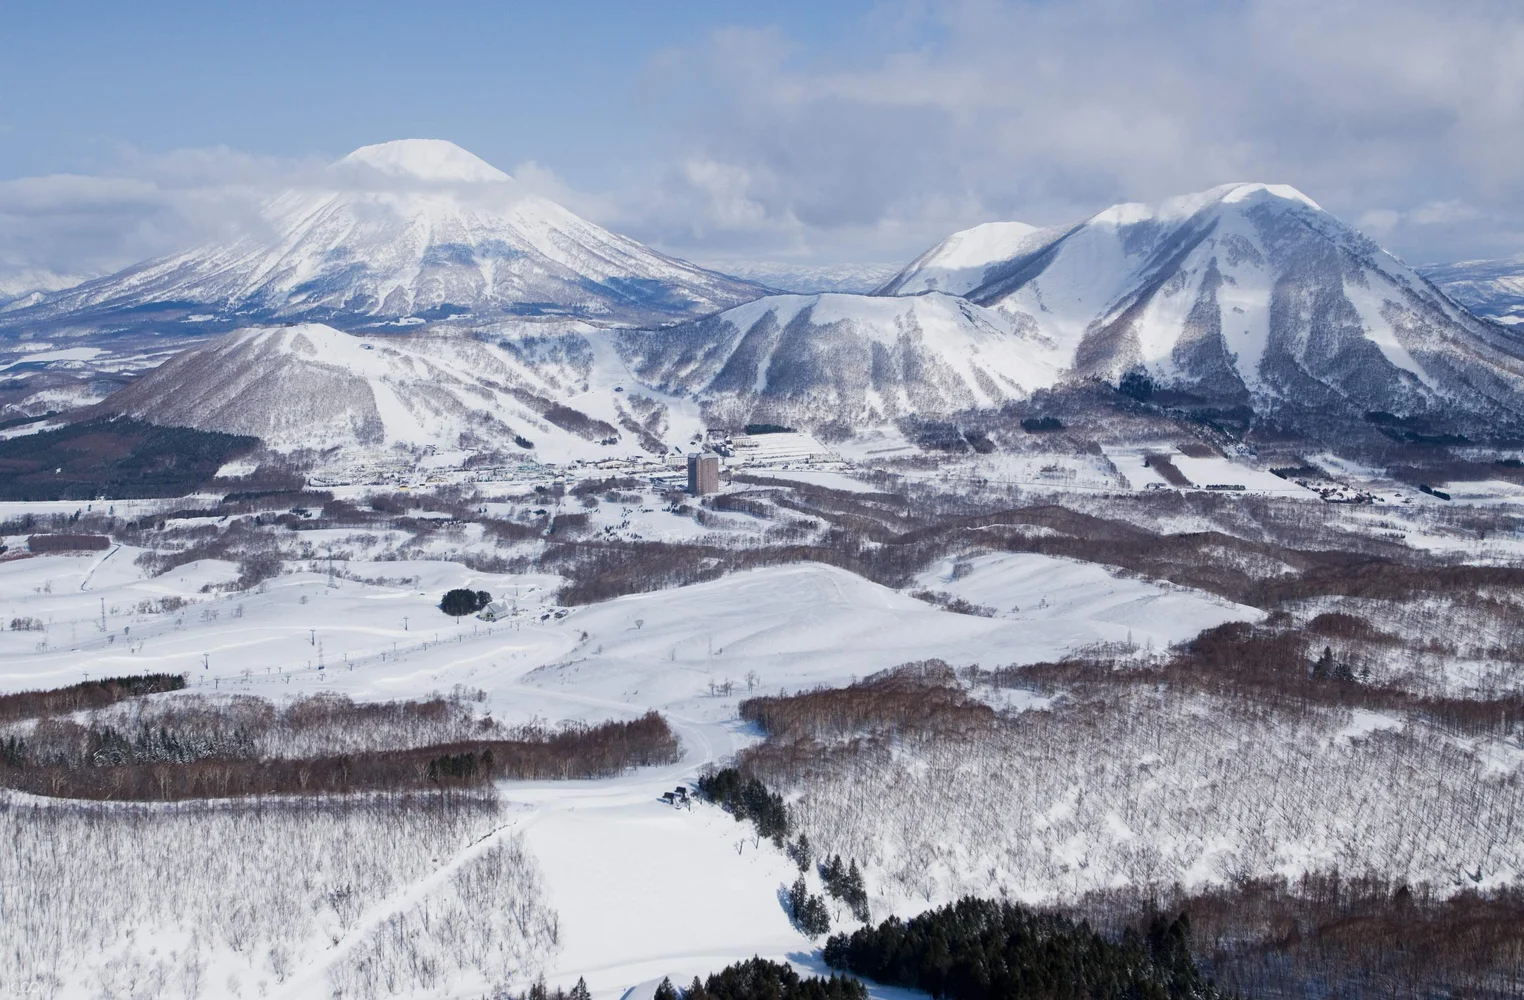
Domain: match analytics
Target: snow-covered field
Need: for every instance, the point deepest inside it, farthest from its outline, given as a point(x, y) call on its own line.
point(638, 890)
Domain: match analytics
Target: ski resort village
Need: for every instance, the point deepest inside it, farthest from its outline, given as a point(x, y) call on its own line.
point(412, 588)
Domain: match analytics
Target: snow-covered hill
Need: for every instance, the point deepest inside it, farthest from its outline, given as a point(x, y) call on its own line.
point(411, 230)
point(310, 387)
point(1493, 289)
point(1252, 295)
point(846, 361)
point(967, 259)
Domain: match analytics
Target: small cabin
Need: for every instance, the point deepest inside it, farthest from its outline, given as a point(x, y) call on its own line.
point(495, 611)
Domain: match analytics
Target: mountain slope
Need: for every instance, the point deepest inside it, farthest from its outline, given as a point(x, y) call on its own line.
point(409, 230)
point(965, 260)
point(1251, 295)
point(843, 362)
point(312, 388)
point(1493, 289)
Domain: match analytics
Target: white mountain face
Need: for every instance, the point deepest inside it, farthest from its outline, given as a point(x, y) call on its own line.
point(408, 231)
point(845, 362)
point(312, 388)
point(1252, 295)
point(1493, 289)
point(962, 262)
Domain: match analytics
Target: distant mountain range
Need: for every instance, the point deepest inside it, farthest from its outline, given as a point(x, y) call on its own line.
point(401, 232)
point(1248, 300)
point(1493, 289)
point(1246, 305)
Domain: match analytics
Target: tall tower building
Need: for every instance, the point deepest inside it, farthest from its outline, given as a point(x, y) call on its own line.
point(703, 474)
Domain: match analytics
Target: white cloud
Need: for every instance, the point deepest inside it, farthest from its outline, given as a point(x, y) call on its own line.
point(144, 206)
point(1047, 112)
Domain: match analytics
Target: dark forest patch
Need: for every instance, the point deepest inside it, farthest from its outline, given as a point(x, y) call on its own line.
point(117, 458)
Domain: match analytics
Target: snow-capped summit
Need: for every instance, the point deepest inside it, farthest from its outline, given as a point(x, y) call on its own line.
point(406, 231)
point(425, 160)
point(958, 264)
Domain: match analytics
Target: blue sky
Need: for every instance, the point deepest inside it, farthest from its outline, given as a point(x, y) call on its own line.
point(808, 132)
point(575, 84)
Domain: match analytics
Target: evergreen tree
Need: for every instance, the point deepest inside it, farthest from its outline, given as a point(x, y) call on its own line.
point(802, 853)
point(831, 873)
point(1324, 668)
point(855, 893)
point(797, 897)
point(580, 991)
point(984, 950)
point(459, 602)
point(665, 990)
point(814, 920)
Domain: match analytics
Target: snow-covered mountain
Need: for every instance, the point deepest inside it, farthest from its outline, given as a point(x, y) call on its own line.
point(1247, 297)
point(846, 362)
point(1252, 295)
point(411, 230)
point(310, 387)
point(1493, 289)
point(966, 259)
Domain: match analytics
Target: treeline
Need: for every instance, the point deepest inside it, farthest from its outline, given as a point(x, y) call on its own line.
point(113, 769)
point(1357, 938)
point(86, 695)
point(748, 799)
point(758, 979)
point(1291, 552)
point(190, 727)
point(919, 703)
point(977, 949)
point(916, 698)
point(1278, 664)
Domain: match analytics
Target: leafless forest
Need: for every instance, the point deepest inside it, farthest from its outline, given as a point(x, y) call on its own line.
point(85, 888)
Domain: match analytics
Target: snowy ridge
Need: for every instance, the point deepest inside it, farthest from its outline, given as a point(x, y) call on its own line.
point(849, 360)
point(311, 387)
point(962, 262)
point(408, 230)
